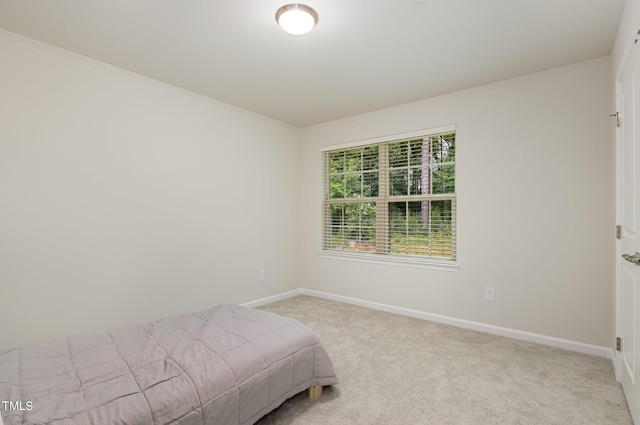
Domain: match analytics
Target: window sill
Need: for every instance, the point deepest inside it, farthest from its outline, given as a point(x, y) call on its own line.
point(448, 266)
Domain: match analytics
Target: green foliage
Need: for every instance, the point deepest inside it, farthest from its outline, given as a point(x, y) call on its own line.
point(416, 167)
point(354, 172)
point(421, 228)
point(353, 226)
point(422, 166)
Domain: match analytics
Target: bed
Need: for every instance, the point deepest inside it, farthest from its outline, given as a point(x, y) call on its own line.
point(228, 365)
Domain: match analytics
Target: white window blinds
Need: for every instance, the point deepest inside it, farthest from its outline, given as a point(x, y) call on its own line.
point(395, 198)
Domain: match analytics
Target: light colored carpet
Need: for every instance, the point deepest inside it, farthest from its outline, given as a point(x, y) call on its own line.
point(395, 370)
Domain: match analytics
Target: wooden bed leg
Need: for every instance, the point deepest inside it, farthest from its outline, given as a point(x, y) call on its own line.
point(315, 391)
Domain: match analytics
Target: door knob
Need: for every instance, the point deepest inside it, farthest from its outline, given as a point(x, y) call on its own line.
point(635, 258)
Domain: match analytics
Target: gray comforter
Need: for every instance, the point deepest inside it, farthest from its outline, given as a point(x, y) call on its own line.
point(222, 366)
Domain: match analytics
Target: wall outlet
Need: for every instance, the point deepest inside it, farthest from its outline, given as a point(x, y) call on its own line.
point(489, 293)
point(261, 274)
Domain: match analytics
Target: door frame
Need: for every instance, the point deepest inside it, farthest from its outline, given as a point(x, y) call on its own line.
point(617, 355)
point(617, 361)
point(616, 358)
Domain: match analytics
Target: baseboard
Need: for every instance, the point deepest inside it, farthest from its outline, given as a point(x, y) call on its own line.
point(467, 324)
point(272, 299)
point(551, 341)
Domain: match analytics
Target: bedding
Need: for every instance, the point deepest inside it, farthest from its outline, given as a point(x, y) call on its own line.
point(228, 365)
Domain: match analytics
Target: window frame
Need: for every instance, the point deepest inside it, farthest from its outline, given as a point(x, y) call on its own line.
point(388, 258)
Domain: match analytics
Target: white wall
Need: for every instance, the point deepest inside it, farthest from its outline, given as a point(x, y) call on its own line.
point(120, 203)
point(535, 185)
point(124, 199)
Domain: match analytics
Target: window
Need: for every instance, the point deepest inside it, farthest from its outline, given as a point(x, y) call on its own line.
point(393, 198)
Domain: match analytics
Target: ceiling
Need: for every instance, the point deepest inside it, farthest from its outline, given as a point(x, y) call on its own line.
point(363, 55)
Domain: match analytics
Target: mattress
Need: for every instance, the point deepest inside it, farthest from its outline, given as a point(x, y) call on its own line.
point(228, 365)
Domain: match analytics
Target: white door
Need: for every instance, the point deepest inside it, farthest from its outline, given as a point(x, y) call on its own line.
point(628, 269)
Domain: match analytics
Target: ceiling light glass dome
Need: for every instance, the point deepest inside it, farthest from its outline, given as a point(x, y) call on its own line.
point(296, 18)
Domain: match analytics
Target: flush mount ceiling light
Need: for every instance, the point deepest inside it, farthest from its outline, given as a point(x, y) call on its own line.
point(296, 18)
